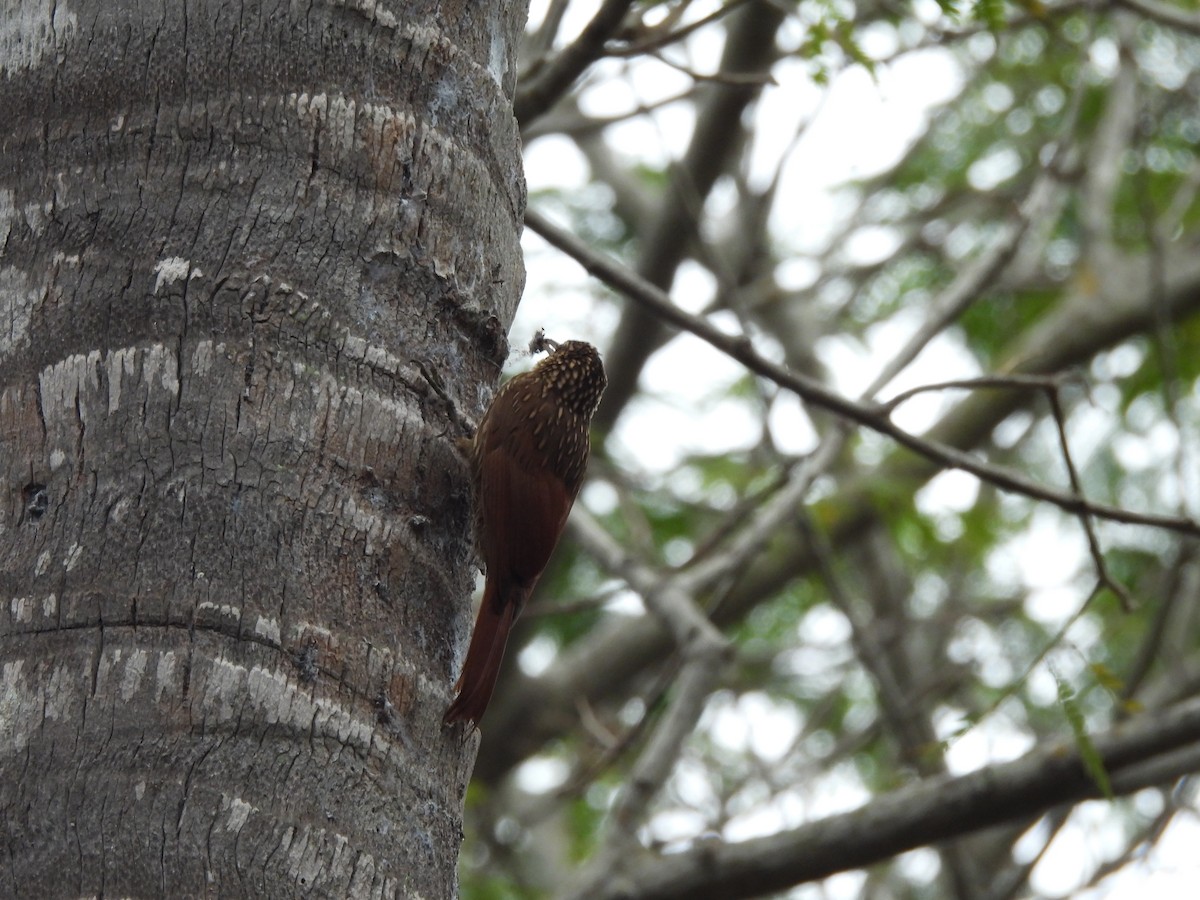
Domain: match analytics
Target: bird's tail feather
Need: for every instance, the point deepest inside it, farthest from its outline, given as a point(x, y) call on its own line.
point(486, 652)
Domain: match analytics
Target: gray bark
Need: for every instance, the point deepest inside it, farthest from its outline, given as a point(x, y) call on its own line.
point(238, 247)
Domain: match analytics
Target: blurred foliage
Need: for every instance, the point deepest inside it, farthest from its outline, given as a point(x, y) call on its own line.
point(936, 592)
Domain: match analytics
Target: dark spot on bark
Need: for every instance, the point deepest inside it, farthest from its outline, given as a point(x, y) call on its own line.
point(381, 590)
point(306, 662)
point(37, 501)
point(485, 331)
point(385, 713)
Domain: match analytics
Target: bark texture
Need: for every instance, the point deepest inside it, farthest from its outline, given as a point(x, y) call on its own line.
point(247, 252)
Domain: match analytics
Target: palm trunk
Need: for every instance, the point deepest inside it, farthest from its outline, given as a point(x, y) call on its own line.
point(238, 247)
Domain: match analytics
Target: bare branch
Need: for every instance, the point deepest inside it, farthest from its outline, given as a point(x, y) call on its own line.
point(1113, 137)
point(1152, 749)
point(543, 39)
point(703, 649)
point(539, 94)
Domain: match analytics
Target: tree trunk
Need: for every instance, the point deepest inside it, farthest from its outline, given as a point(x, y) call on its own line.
point(247, 255)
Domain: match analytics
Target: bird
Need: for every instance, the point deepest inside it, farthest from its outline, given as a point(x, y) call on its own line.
point(527, 461)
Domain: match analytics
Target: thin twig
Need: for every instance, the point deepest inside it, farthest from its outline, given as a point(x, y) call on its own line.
point(776, 513)
point(614, 747)
point(1171, 593)
point(577, 125)
point(544, 609)
point(748, 506)
point(948, 306)
point(905, 717)
point(661, 40)
point(1011, 382)
point(1010, 882)
point(1148, 836)
point(623, 742)
point(735, 79)
point(1011, 689)
point(1073, 474)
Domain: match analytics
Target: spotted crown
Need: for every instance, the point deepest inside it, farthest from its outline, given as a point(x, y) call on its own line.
point(575, 374)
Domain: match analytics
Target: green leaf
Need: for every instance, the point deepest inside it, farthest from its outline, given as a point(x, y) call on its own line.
point(1088, 753)
point(845, 38)
point(1107, 678)
point(990, 12)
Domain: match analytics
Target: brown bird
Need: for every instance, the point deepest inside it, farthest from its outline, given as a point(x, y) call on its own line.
point(527, 462)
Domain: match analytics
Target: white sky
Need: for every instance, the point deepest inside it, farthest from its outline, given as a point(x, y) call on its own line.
point(860, 128)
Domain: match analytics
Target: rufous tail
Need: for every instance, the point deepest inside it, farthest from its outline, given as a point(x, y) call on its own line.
point(478, 678)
